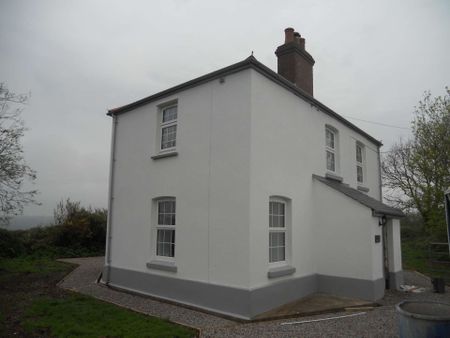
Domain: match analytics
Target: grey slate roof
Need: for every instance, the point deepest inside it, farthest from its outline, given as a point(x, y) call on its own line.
point(252, 63)
point(376, 206)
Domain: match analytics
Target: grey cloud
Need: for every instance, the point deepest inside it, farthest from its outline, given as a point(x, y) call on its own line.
point(79, 58)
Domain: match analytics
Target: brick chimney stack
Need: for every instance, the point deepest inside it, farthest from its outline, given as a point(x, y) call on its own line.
point(294, 62)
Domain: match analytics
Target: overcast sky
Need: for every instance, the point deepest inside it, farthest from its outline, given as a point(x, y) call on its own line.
point(374, 60)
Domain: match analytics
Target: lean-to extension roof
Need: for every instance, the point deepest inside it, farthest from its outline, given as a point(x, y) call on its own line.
point(252, 63)
point(378, 208)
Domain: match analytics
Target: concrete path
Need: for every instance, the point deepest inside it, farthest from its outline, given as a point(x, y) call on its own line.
point(380, 322)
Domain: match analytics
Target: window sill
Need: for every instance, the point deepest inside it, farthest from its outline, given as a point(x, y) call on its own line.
point(281, 271)
point(167, 154)
point(363, 188)
point(334, 177)
point(162, 265)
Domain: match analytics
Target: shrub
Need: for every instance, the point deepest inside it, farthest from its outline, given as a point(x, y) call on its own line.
point(10, 244)
point(412, 227)
point(79, 227)
point(79, 232)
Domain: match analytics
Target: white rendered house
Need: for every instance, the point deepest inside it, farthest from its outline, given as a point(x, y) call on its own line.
point(238, 191)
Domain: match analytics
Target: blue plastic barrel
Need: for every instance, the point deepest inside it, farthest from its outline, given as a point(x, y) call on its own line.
point(423, 319)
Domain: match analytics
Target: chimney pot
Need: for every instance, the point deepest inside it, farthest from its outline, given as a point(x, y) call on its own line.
point(297, 37)
point(294, 62)
point(302, 43)
point(289, 35)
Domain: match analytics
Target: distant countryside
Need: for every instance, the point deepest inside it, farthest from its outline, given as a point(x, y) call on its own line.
point(27, 222)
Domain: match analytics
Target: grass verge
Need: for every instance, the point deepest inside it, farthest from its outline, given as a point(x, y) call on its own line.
point(31, 264)
point(416, 256)
point(80, 316)
point(31, 305)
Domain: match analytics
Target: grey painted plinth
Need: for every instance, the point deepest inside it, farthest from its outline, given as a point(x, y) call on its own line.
point(239, 302)
point(395, 280)
point(352, 287)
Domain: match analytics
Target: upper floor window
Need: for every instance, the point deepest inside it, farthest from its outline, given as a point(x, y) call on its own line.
point(277, 230)
point(331, 149)
point(360, 162)
point(168, 132)
point(165, 227)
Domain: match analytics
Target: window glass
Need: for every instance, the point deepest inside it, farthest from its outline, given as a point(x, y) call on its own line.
point(359, 163)
point(169, 114)
point(331, 149)
point(277, 232)
point(165, 232)
point(166, 213)
point(331, 165)
point(277, 246)
point(359, 154)
point(168, 127)
point(168, 137)
point(359, 174)
point(165, 245)
point(329, 139)
point(276, 214)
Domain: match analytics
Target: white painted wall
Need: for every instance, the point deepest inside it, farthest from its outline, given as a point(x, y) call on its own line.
point(209, 178)
point(394, 245)
point(344, 236)
point(287, 147)
point(240, 142)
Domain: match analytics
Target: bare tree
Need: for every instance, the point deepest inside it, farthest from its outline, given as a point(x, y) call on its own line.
point(67, 211)
point(13, 168)
point(417, 172)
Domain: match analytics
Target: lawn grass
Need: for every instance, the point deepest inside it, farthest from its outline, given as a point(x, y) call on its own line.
point(32, 305)
point(31, 264)
point(2, 326)
point(415, 256)
point(81, 316)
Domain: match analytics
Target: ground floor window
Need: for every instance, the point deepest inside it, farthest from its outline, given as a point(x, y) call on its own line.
point(277, 230)
point(165, 227)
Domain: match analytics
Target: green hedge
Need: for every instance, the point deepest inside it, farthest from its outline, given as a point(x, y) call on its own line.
point(10, 244)
point(84, 236)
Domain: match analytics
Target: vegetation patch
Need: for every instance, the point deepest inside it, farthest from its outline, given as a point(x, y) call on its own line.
point(415, 257)
point(82, 316)
point(31, 264)
point(78, 232)
point(31, 305)
point(419, 254)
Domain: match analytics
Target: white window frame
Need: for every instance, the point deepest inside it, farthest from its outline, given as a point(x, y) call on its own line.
point(361, 164)
point(285, 230)
point(167, 124)
point(158, 226)
point(332, 150)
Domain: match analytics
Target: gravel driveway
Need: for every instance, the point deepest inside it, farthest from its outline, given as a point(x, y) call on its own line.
point(380, 322)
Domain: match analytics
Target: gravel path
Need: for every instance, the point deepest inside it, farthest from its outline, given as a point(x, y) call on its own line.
point(380, 322)
point(83, 279)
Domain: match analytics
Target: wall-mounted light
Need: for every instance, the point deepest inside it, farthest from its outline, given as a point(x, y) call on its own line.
point(382, 220)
